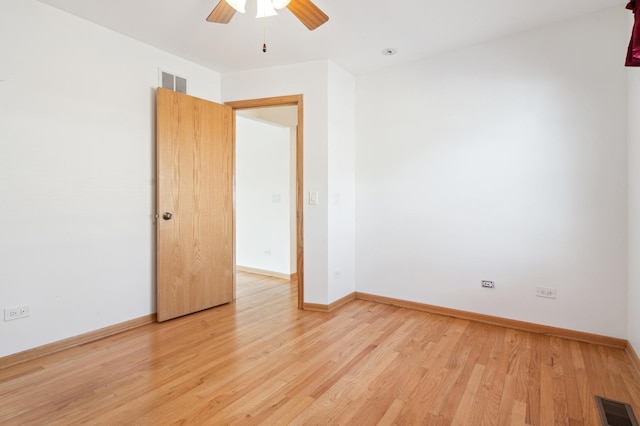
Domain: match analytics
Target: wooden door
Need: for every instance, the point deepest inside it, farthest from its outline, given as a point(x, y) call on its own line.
point(195, 240)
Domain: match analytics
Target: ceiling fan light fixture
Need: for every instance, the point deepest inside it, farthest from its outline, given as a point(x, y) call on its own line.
point(280, 4)
point(238, 5)
point(310, 15)
point(265, 8)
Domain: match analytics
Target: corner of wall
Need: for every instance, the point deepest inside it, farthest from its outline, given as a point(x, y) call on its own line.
point(341, 182)
point(633, 296)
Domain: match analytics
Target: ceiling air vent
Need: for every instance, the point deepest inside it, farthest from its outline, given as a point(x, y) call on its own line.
point(614, 413)
point(173, 82)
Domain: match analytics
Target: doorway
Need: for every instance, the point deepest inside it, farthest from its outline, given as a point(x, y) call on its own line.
point(265, 191)
point(268, 107)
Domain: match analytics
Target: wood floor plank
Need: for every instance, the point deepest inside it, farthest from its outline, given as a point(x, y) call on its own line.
point(507, 402)
point(574, 408)
point(378, 395)
point(474, 345)
point(260, 360)
point(561, 415)
point(494, 381)
point(388, 391)
point(533, 378)
point(430, 385)
point(585, 386)
point(464, 411)
point(391, 413)
point(518, 413)
point(547, 412)
point(354, 382)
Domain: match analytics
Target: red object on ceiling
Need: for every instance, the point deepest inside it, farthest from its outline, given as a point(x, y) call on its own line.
point(633, 54)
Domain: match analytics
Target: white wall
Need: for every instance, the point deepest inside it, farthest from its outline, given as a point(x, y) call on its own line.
point(309, 79)
point(503, 161)
point(285, 116)
point(76, 172)
point(263, 196)
point(341, 188)
point(634, 207)
point(293, 208)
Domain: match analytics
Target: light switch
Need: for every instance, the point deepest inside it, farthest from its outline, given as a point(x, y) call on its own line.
point(276, 198)
point(313, 198)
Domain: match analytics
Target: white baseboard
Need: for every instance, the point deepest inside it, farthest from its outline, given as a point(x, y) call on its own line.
point(284, 276)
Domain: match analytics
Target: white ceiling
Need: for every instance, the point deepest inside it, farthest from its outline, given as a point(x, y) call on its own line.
point(358, 30)
point(284, 116)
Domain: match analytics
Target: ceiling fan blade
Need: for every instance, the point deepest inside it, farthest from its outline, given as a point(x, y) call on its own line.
point(222, 13)
point(308, 13)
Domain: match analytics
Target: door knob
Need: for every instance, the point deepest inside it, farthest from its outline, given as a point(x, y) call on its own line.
point(167, 216)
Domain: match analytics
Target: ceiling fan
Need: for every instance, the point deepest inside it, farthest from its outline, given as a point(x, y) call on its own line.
point(308, 13)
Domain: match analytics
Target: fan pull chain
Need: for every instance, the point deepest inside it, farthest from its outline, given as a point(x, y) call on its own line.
point(264, 39)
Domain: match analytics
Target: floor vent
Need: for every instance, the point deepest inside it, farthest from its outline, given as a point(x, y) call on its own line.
point(614, 413)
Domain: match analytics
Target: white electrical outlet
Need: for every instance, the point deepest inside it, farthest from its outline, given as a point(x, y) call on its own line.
point(16, 313)
point(549, 293)
point(487, 284)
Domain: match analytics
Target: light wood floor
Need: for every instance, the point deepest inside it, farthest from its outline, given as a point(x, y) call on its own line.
point(262, 361)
